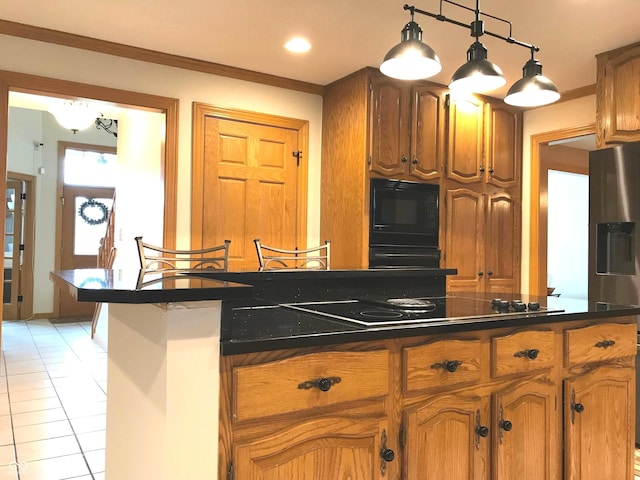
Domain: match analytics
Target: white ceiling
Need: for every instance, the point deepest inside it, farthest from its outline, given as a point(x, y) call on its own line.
point(346, 34)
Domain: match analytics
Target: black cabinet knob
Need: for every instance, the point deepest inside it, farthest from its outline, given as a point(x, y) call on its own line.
point(414, 161)
point(481, 168)
point(532, 353)
point(387, 454)
point(324, 384)
point(506, 425)
point(578, 407)
point(452, 365)
point(482, 431)
point(403, 159)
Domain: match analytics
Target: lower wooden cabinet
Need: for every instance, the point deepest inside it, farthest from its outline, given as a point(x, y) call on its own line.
point(459, 406)
point(321, 449)
point(598, 425)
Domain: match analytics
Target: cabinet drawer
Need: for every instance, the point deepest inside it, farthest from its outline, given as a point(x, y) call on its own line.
point(522, 352)
point(309, 381)
point(443, 363)
point(599, 342)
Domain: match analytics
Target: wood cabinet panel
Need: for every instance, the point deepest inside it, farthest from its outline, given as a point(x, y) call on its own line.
point(505, 144)
point(594, 343)
point(598, 425)
point(524, 447)
point(328, 448)
point(465, 158)
point(526, 351)
point(441, 439)
point(285, 386)
point(389, 127)
point(427, 132)
point(618, 96)
point(502, 244)
point(441, 364)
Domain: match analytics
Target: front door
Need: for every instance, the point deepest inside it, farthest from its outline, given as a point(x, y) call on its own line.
point(249, 188)
point(85, 211)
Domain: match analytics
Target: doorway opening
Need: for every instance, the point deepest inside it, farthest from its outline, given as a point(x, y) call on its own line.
point(563, 156)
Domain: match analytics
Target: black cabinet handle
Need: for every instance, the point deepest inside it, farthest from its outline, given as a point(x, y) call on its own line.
point(482, 430)
point(323, 384)
point(531, 353)
point(605, 343)
point(491, 170)
point(448, 365)
point(578, 407)
point(386, 454)
point(505, 425)
point(403, 159)
point(414, 161)
point(481, 168)
point(480, 273)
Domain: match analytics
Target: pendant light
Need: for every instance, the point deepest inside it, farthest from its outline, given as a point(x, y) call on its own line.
point(478, 75)
point(74, 115)
point(533, 89)
point(411, 59)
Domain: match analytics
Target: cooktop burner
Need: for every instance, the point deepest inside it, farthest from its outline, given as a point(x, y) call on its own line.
point(397, 311)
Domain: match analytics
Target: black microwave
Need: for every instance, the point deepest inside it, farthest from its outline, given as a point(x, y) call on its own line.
point(403, 213)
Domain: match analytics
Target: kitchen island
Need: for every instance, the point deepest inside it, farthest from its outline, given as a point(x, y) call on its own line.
point(309, 396)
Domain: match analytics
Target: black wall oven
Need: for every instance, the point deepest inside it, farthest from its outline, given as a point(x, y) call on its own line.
point(403, 224)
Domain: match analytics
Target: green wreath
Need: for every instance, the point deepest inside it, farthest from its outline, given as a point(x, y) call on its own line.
point(92, 202)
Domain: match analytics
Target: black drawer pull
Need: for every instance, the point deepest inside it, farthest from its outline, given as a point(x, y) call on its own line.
point(530, 353)
point(323, 384)
point(448, 365)
point(606, 343)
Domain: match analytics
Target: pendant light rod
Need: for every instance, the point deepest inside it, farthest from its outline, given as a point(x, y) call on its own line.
point(440, 17)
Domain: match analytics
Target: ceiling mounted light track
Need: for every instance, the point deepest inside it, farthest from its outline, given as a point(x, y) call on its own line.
point(412, 59)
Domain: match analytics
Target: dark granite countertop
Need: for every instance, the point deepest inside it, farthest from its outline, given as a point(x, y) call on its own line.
point(264, 326)
point(137, 286)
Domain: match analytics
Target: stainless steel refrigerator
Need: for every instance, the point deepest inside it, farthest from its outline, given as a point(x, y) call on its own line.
point(614, 224)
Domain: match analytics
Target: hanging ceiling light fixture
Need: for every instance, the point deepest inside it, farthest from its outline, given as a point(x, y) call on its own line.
point(478, 74)
point(74, 115)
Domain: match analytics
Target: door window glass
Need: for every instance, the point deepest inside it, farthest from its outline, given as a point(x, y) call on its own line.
point(90, 222)
point(81, 165)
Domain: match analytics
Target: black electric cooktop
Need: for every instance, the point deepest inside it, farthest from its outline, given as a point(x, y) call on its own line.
point(379, 311)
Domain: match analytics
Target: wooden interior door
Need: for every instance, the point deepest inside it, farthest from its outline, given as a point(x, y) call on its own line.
point(81, 239)
point(249, 188)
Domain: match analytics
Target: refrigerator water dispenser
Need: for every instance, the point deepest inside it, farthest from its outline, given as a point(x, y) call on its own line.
point(615, 249)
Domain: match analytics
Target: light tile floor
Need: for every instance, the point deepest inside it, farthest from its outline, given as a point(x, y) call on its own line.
point(53, 384)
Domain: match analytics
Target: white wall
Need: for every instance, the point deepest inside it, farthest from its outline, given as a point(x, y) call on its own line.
point(572, 113)
point(100, 69)
point(26, 127)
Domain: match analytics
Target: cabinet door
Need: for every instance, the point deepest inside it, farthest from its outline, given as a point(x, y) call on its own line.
point(464, 239)
point(427, 132)
point(328, 448)
point(443, 439)
point(465, 158)
point(389, 127)
point(505, 146)
point(524, 432)
point(618, 96)
point(599, 424)
point(502, 244)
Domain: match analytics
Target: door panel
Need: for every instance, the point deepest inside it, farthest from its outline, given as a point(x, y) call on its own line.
point(12, 241)
point(427, 139)
point(466, 141)
point(249, 188)
point(82, 229)
point(502, 247)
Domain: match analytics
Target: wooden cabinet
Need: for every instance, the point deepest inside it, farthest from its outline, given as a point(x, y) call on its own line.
point(484, 143)
point(618, 96)
point(482, 241)
point(407, 129)
point(548, 402)
point(599, 414)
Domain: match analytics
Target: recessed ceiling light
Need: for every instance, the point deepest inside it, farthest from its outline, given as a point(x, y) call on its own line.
point(298, 45)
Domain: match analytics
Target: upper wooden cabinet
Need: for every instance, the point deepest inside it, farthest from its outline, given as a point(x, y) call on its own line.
point(618, 96)
point(407, 129)
point(484, 143)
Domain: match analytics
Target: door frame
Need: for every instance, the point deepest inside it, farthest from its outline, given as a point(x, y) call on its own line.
point(36, 85)
point(200, 112)
point(25, 308)
point(538, 222)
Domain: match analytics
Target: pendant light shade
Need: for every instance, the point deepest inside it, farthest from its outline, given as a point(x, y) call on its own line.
point(533, 89)
point(74, 115)
point(478, 75)
point(411, 59)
